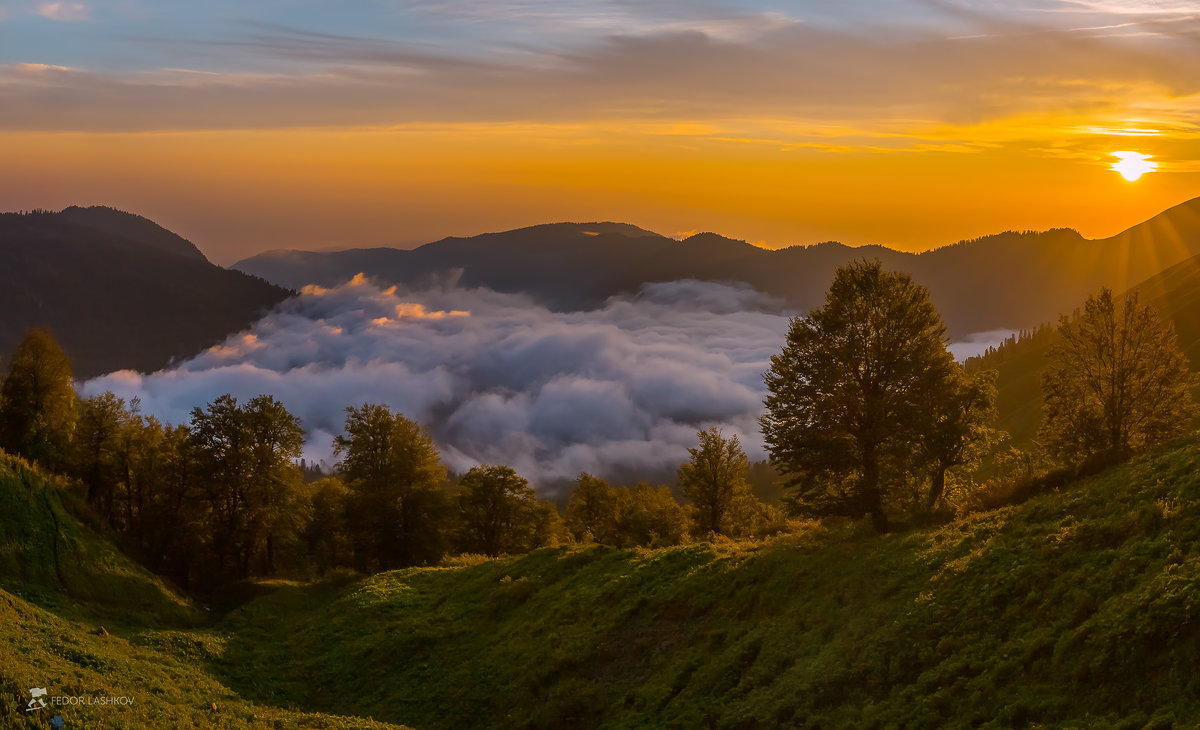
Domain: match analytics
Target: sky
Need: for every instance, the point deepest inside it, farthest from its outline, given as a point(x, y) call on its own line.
point(263, 124)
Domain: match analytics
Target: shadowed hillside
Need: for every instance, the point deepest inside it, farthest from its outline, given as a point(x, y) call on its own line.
point(117, 290)
point(78, 617)
point(1009, 280)
point(1175, 293)
point(1019, 362)
point(55, 560)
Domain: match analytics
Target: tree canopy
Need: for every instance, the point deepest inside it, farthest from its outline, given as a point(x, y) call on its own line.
point(397, 498)
point(713, 478)
point(37, 400)
point(846, 406)
point(499, 512)
point(247, 475)
point(1116, 382)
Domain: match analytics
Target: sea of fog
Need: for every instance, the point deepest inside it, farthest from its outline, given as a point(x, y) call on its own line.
point(499, 379)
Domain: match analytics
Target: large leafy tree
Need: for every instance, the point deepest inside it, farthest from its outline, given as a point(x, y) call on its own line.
point(499, 512)
point(844, 400)
point(397, 504)
point(713, 478)
point(593, 511)
point(1116, 382)
point(97, 456)
point(37, 400)
point(245, 457)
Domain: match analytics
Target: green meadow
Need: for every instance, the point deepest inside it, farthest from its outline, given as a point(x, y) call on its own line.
point(1075, 608)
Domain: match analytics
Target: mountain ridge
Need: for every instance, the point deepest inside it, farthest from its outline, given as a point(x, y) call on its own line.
point(1007, 280)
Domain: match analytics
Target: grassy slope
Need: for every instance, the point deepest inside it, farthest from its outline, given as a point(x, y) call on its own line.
point(50, 558)
point(60, 582)
point(1078, 608)
point(162, 669)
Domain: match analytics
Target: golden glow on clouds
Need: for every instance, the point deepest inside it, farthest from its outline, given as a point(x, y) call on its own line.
point(1132, 165)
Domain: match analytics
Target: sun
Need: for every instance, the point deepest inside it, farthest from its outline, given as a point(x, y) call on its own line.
point(1132, 165)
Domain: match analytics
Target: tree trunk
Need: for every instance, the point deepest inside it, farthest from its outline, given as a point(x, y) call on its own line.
point(936, 488)
point(871, 499)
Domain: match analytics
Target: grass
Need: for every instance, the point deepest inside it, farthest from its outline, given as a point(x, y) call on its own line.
point(1077, 608)
point(52, 559)
point(80, 619)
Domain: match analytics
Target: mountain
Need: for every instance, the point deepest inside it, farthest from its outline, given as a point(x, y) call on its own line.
point(1174, 293)
point(1006, 281)
point(117, 290)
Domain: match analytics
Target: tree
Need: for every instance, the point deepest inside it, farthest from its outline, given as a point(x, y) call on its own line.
point(956, 413)
point(37, 400)
point(843, 404)
point(499, 512)
point(713, 478)
point(96, 453)
point(172, 530)
point(649, 517)
point(592, 510)
point(397, 505)
point(1116, 382)
point(245, 457)
point(326, 536)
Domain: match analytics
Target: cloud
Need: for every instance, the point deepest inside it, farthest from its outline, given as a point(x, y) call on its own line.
point(882, 81)
point(499, 379)
point(67, 12)
point(978, 342)
point(620, 390)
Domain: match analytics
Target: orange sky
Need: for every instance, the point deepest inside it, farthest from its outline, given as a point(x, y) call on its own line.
point(234, 193)
point(776, 128)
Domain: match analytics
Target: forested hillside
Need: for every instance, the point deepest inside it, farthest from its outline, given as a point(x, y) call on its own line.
point(1019, 362)
point(117, 290)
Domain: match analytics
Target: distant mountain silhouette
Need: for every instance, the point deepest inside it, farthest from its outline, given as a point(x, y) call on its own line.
point(117, 290)
point(1008, 280)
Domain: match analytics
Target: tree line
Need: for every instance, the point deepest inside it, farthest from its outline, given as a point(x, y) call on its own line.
point(224, 497)
point(868, 414)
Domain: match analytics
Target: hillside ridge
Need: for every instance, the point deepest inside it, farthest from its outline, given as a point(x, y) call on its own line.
point(1074, 608)
point(1004, 281)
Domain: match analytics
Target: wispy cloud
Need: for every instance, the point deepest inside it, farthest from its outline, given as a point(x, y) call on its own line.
point(896, 82)
point(609, 17)
point(67, 12)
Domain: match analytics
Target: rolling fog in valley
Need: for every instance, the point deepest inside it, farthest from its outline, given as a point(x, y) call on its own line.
point(500, 379)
